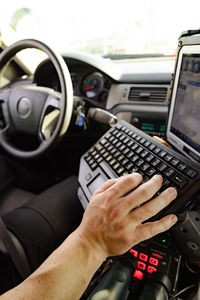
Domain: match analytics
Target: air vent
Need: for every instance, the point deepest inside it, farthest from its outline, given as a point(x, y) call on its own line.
point(154, 94)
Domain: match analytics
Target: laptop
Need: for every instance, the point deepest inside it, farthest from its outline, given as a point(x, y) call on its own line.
point(124, 149)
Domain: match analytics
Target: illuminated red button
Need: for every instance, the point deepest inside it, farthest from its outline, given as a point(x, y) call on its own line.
point(151, 269)
point(143, 257)
point(157, 255)
point(153, 261)
point(134, 252)
point(141, 265)
point(138, 274)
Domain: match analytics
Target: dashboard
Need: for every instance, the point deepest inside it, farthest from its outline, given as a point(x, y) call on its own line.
point(136, 91)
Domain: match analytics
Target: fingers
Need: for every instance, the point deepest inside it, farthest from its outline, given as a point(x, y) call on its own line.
point(148, 230)
point(152, 207)
point(121, 185)
point(105, 186)
point(143, 193)
point(124, 185)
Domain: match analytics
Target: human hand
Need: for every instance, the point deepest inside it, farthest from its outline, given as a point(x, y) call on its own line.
point(112, 222)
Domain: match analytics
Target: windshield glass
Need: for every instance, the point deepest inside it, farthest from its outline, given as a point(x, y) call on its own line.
point(106, 26)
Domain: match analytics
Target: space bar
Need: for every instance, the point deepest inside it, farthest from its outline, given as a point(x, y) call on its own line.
point(107, 169)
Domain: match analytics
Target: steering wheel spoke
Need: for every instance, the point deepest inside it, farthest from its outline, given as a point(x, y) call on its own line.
point(4, 110)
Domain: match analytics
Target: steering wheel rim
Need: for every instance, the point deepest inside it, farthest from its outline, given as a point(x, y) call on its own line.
point(65, 101)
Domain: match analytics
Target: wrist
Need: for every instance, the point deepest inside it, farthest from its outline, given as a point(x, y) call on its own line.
point(89, 246)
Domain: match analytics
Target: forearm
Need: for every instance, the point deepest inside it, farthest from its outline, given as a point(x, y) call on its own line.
point(64, 275)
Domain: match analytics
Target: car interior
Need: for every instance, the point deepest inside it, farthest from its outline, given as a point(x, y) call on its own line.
point(77, 110)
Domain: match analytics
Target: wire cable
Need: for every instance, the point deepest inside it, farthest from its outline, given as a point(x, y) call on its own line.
point(183, 291)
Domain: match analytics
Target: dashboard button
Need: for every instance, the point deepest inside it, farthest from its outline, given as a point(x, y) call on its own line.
point(134, 252)
point(143, 257)
point(138, 274)
point(141, 265)
point(153, 261)
point(151, 269)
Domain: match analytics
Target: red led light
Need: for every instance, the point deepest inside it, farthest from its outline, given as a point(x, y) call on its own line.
point(153, 261)
point(143, 257)
point(134, 252)
point(157, 255)
point(138, 274)
point(141, 265)
point(151, 269)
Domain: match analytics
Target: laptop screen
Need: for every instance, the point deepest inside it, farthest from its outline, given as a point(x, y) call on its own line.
point(184, 119)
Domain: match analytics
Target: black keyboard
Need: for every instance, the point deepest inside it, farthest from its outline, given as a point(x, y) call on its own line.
point(123, 150)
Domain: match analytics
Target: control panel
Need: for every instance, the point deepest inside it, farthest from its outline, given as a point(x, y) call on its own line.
point(157, 255)
point(151, 126)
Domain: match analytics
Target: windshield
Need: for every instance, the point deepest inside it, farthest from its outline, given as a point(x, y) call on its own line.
point(106, 27)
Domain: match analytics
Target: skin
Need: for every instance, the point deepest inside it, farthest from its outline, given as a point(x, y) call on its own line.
point(111, 225)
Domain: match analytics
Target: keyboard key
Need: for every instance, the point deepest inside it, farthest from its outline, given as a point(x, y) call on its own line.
point(149, 158)
point(119, 134)
point(174, 162)
point(121, 157)
point(120, 170)
point(134, 135)
point(168, 157)
point(147, 143)
point(191, 173)
point(169, 172)
point(142, 141)
point(139, 150)
point(134, 170)
point(115, 141)
point(122, 137)
point(112, 162)
point(96, 156)
point(162, 167)
point(108, 158)
point(98, 147)
point(124, 161)
point(115, 166)
point(145, 167)
point(110, 148)
point(139, 162)
point(181, 166)
point(99, 160)
point(93, 166)
point(130, 143)
point(113, 151)
point(179, 180)
point(130, 154)
point(162, 153)
point(156, 150)
point(151, 146)
point(134, 158)
point(138, 138)
point(129, 166)
point(104, 141)
point(117, 154)
point(111, 139)
point(135, 145)
point(125, 151)
point(117, 145)
point(122, 147)
point(151, 172)
point(102, 151)
point(155, 162)
point(126, 140)
point(105, 154)
point(144, 153)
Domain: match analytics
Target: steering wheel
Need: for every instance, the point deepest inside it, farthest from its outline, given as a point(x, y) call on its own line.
point(35, 110)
